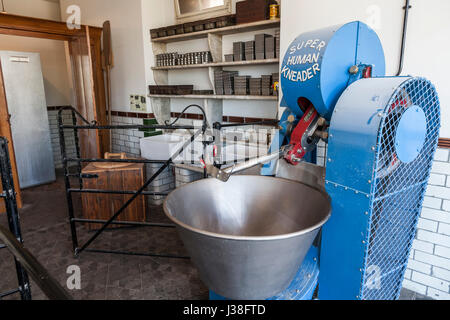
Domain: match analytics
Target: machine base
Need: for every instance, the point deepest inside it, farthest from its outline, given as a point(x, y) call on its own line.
point(304, 284)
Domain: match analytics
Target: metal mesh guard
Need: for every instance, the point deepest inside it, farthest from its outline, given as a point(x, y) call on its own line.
point(398, 191)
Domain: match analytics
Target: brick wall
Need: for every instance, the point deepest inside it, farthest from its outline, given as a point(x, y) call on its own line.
point(54, 136)
point(429, 265)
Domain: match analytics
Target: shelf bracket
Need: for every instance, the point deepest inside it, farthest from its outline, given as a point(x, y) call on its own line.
point(215, 46)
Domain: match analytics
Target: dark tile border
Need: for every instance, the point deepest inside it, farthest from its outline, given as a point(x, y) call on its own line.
point(192, 116)
point(444, 143)
point(56, 108)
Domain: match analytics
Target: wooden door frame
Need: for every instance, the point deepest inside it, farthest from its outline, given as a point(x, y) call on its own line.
point(55, 30)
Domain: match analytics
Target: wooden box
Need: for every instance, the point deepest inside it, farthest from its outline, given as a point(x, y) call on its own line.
point(117, 177)
point(252, 11)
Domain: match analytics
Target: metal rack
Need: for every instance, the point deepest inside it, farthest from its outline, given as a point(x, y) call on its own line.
point(9, 197)
point(78, 249)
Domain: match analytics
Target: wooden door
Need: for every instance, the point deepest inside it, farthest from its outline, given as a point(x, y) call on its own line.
point(84, 59)
point(5, 131)
point(83, 85)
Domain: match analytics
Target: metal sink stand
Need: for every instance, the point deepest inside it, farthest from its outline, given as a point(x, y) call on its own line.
point(78, 161)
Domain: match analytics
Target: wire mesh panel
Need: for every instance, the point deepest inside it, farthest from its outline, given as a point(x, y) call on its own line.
point(398, 191)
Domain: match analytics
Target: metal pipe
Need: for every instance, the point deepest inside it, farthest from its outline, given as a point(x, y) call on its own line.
point(219, 126)
point(405, 29)
point(62, 143)
point(127, 223)
point(13, 215)
point(77, 149)
point(115, 160)
point(127, 253)
point(98, 191)
point(253, 162)
point(9, 293)
point(117, 127)
point(224, 175)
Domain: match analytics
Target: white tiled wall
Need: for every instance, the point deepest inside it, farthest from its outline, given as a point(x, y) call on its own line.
point(429, 265)
point(127, 140)
point(54, 136)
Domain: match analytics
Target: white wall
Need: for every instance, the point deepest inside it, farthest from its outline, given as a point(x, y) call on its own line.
point(427, 43)
point(131, 22)
point(158, 13)
point(53, 60)
point(128, 75)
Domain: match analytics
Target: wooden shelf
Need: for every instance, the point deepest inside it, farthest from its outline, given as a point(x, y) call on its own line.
point(213, 104)
point(220, 64)
point(246, 27)
point(215, 97)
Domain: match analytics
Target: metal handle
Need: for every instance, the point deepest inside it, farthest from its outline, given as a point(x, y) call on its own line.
point(224, 175)
point(121, 156)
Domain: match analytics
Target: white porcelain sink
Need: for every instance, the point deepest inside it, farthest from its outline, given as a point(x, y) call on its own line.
point(164, 146)
point(160, 147)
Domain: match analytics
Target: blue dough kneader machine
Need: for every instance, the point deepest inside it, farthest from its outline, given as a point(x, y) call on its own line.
point(381, 134)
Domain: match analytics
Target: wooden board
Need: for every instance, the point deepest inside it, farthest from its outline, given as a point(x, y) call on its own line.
point(240, 28)
point(104, 206)
point(220, 64)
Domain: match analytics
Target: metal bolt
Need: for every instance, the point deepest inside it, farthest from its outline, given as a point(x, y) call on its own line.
point(370, 181)
point(353, 69)
point(373, 148)
point(329, 159)
point(366, 213)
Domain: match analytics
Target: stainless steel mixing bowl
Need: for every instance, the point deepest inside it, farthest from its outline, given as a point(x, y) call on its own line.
point(249, 236)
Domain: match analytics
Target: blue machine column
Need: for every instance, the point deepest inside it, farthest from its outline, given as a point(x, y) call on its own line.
point(383, 136)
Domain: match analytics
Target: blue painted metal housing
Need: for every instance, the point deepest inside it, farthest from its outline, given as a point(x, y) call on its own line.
point(376, 197)
point(316, 65)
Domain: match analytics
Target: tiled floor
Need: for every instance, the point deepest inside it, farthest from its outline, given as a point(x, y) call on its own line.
point(103, 276)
